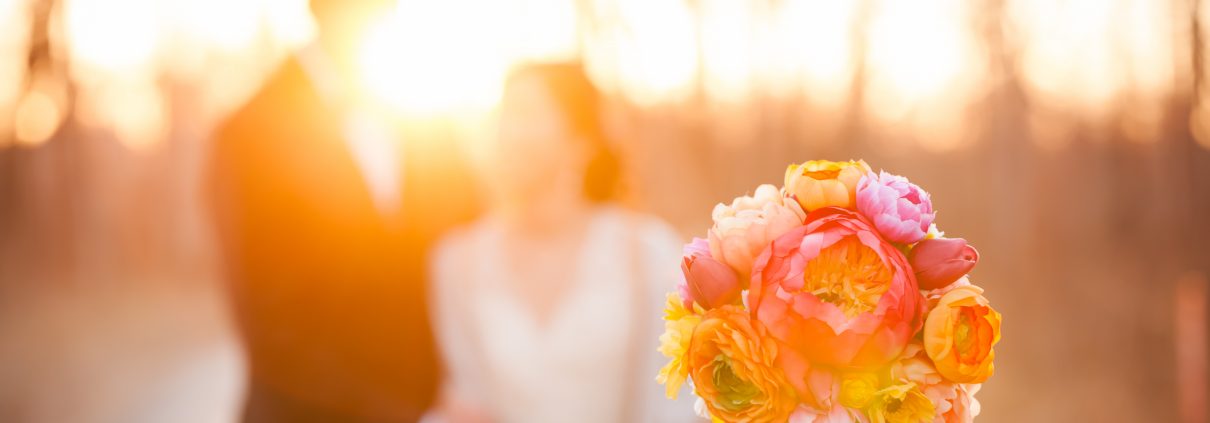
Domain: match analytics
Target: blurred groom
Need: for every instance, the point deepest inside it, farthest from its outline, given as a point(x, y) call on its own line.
point(324, 216)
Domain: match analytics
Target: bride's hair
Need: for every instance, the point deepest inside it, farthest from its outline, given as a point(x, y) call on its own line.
point(578, 100)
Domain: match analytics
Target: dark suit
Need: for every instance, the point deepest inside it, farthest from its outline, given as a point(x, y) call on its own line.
point(328, 291)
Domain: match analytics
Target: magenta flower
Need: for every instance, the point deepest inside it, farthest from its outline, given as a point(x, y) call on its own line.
point(900, 210)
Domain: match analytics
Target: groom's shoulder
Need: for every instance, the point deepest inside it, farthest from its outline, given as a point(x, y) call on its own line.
point(285, 103)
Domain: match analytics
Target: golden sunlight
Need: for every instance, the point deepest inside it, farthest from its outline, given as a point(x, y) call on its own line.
point(728, 53)
point(433, 57)
point(814, 49)
point(115, 36)
point(918, 67)
point(646, 50)
point(115, 47)
point(1089, 58)
point(1199, 119)
point(126, 55)
point(196, 20)
point(14, 40)
point(925, 68)
point(37, 117)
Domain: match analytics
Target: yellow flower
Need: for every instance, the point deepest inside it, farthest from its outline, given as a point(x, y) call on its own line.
point(674, 344)
point(901, 404)
point(959, 334)
point(822, 183)
point(857, 390)
point(674, 307)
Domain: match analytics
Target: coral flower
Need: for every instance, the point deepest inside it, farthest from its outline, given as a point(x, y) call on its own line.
point(744, 228)
point(821, 183)
point(960, 333)
point(708, 282)
point(941, 261)
point(900, 210)
point(731, 361)
point(835, 293)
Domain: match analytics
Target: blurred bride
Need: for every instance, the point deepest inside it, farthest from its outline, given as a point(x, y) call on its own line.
point(547, 309)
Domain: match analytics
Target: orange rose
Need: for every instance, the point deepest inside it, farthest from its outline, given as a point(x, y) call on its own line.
point(731, 361)
point(959, 334)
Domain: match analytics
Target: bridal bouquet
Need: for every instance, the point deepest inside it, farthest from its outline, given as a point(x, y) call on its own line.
point(832, 299)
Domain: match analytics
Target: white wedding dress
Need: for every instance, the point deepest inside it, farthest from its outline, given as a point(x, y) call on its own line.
point(583, 365)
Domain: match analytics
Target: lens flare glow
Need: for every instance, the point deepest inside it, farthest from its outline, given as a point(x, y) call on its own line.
point(814, 49)
point(36, 118)
point(646, 50)
point(925, 68)
point(1104, 63)
point(1089, 60)
point(433, 57)
point(112, 35)
point(14, 41)
point(727, 49)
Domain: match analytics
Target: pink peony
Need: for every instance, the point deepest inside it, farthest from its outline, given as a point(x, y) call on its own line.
point(901, 211)
point(835, 293)
point(941, 261)
point(744, 228)
point(708, 282)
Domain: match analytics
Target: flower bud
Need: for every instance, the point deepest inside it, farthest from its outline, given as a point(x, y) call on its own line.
point(941, 261)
